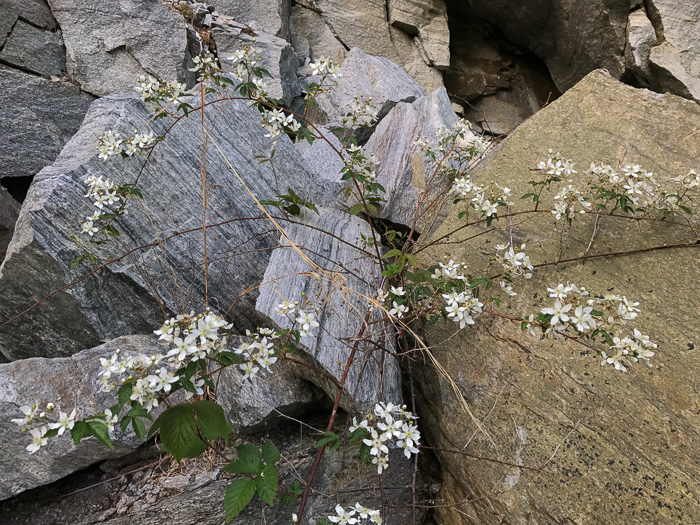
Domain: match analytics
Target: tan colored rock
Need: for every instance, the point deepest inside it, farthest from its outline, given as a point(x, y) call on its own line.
point(427, 21)
point(640, 37)
point(616, 448)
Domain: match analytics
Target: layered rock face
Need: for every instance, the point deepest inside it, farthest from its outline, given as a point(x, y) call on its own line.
point(612, 447)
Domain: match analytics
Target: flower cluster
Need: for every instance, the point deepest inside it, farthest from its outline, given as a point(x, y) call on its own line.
point(514, 261)
point(461, 305)
point(556, 165)
point(157, 93)
point(575, 309)
point(325, 67)
point(274, 122)
point(205, 65)
point(566, 200)
point(396, 298)
point(111, 145)
point(260, 352)
point(355, 515)
point(388, 423)
point(305, 320)
point(361, 112)
point(52, 422)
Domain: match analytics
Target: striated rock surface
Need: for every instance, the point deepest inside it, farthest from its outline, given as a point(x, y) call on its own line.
point(402, 170)
point(9, 211)
point(426, 21)
point(82, 315)
point(69, 382)
point(44, 116)
point(272, 16)
point(107, 49)
point(334, 275)
point(617, 448)
point(35, 12)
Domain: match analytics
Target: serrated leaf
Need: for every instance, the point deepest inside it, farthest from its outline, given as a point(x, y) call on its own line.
point(178, 432)
point(365, 456)
point(139, 427)
point(99, 430)
point(211, 420)
point(124, 393)
point(270, 453)
point(249, 461)
point(355, 209)
point(79, 431)
point(238, 495)
point(266, 484)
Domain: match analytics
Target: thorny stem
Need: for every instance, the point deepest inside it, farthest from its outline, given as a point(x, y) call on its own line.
point(334, 413)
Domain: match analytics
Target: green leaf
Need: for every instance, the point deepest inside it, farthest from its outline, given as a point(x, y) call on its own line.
point(124, 393)
point(211, 420)
point(266, 484)
point(365, 456)
point(294, 209)
point(330, 439)
point(124, 423)
point(238, 495)
point(99, 430)
point(270, 453)
point(355, 209)
point(249, 461)
point(271, 203)
point(178, 432)
point(79, 431)
point(139, 427)
point(392, 253)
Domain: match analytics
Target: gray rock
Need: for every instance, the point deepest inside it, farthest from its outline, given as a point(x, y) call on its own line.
point(676, 59)
point(70, 382)
point(120, 298)
point(363, 24)
point(336, 281)
point(372, 76)
point(321, 157)
point(251, 405)
point(34, 50)
point(311, 36)
point(36, 12)
point(402, 170)
point(44, 116)
point(640, 38)
point(277, 56)
point(426, 20)
point(271, 16)
point(9, 211)
point(108, 49)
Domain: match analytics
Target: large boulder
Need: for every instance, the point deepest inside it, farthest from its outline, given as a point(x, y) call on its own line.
point(426, 21)
point(402, 169)
point(68, 382)
point(126, 296)
point(334, 275)
point(109, 48)
point(44, 116)
point(34, 12)
point(364, 24)
point(272, 17)
point(613, 447)
point(34, 50)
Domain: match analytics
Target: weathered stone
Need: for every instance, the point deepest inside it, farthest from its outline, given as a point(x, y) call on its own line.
point(676, 59)
point(108, 49)
point(272, 16)
point(9, 211)
point(370, 76)
point(277, 56)
point(196, 495)
point(640, 37)
point(34, 50)
point(44, 116)
point(321, 157)
point(36, 12)
point(70, 382)
point(622, 446)
point(251, 405)
point(119, 298)
point(363, 24)
point(311, 36)
point(401, 167)
point(572, 38)
point(334, 275)
point(426, 20)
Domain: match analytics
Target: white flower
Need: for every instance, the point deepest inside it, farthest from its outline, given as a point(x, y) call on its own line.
point(382, 463)
point(38, 439)
point(582, 318)
point(110, 420)
point(398, 310)
point(558, 313)
point(307, 322)
point(343, 517)
point(65, 422)
point(30, 412)
point(398, 291)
